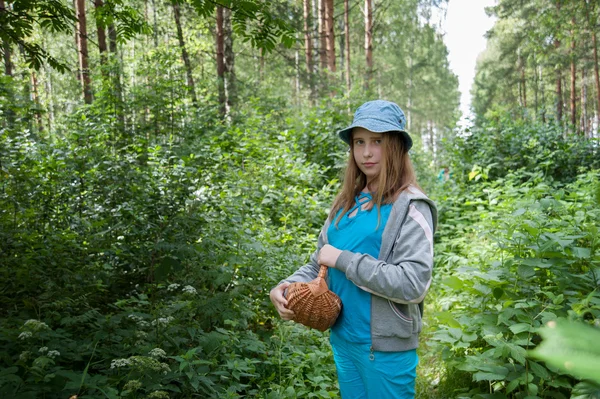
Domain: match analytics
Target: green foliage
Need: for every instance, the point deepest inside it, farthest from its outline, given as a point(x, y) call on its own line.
point(503, 145)
point(524, 254)
point(18, 20)
point(254, 21)
point(138, 269)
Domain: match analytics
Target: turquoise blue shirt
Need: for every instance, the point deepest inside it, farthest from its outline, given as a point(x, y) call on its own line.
point(360, 233)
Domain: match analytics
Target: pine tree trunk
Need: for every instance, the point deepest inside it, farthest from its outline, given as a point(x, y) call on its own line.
point(36, 100)
point(184, 53)
point(116, 78)
point(584, 118)
point(308, 47)
point(523, 83)
point(220, 44)
point(596, 74)
point(347, 35)
point(230, 78)
point(155, 30)
point(83, 52)
point(330, 39)
point(573, 80)
point(368, 42)
point(559, 99)
point(322, 35)
point(102, 47)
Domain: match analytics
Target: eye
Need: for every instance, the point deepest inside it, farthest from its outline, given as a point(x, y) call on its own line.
point(359, 142)
point(378, 141)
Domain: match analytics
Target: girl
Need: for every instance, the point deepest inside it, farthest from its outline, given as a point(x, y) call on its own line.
point(378, 245)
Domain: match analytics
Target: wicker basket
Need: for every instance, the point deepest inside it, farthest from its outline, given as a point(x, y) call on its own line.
point(313, 303)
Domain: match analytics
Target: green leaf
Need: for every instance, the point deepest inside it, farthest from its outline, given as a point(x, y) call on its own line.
point(519, 328)
point(484, 376)
point(498, 292)
point(453, 282)
point(572, 347)
point(538, 370)
point(525, 271)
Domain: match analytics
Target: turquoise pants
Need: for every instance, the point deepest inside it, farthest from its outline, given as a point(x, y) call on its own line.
point(363, 374)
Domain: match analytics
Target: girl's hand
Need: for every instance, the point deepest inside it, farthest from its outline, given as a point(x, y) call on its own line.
point(280, 302)
point(328, 255)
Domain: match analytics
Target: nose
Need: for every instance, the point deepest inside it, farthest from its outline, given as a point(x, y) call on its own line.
point(367, 153)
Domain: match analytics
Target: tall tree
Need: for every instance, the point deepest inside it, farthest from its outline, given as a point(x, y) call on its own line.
point(368, 42)
point(347, 42)
point(308, 46)
point(591, 17)
point(230, 78)
point(330, 35)
point(101, 31)
point(184, 53)
point(220, 54)
point(86, 82)
point(322, 34)
point(573, 92)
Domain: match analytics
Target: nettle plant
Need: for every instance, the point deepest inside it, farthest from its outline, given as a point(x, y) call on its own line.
point(532, 256)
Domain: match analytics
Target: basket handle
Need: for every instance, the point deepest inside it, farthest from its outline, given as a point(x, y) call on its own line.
point(323, 272)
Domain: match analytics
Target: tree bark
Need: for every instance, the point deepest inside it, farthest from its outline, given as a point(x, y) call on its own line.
point(322, 35)
point(347, 36)
point(220, 44)
point(36, 100)
point(86, 83)
point(102, 47)
point(184, 53)
point(596, 72)
point(573, 79)
point(118, 90)
point(368, 42)
point(330, 38)
point(230, 78)
point(559, 98)
point(308, 47)
point(523, 82)
point(583, 118)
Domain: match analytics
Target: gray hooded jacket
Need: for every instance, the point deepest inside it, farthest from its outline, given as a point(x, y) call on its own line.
point(398, 279)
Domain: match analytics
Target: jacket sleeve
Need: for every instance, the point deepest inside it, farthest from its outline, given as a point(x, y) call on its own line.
point(309, 271)
point(407, 276)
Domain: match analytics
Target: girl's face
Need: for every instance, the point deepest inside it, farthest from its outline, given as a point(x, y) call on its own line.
point(367, 152)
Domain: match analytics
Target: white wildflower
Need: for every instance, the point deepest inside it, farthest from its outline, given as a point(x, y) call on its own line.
point(188, 289)
point(43, 349)
point(141, 334)
point(162, 321)
point(116, 363)
point(158, 395)
point(25, 334)
point(157, 353)
point(24, 356)
point(133, 385)
point(52, 354)
point(35, 325)
point(173, 287)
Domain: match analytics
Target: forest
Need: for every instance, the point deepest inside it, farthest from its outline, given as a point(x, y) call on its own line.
point(165, 163)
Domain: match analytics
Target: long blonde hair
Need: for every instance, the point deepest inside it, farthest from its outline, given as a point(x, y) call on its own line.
point(397, 174)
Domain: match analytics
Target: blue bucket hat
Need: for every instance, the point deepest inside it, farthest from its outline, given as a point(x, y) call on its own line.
point(378, 116)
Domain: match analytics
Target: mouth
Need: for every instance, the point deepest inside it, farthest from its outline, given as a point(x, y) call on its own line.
point(369, 164)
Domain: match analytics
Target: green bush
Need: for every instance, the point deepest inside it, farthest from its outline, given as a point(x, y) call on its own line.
point(524, 253)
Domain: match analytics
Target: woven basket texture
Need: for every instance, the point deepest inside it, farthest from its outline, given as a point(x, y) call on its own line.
point(313, 303)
